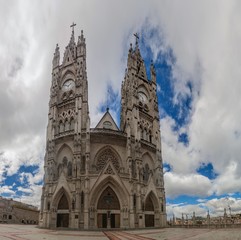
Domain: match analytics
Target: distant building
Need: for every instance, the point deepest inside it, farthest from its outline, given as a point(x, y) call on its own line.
point(198, 221)
point(102, 177)
point(12, 211)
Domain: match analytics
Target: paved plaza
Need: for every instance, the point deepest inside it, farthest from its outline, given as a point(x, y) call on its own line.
point(23, 232)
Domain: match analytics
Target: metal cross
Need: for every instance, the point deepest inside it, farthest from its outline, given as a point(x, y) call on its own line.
point(73, 25)
point(137, 37)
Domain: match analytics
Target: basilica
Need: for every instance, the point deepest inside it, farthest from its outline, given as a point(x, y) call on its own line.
point(108, 176)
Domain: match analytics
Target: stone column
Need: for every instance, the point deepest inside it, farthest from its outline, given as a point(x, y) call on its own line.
point(86, 205)
point(132, 215)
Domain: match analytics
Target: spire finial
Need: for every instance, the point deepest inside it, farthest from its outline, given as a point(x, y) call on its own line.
point(137, 38)
point(73, 25)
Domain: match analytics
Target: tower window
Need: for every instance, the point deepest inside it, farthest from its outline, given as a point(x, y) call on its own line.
point(150, 138)
point(72, 124)
point(70, 169)
point(146, 172)
point(67, 125)
point(61, 127)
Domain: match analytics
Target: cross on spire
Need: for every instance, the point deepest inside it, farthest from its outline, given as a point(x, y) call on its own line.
point(137, 37)
point(73, 25)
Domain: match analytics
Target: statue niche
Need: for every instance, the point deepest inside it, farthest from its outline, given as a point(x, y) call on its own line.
point(64, 160)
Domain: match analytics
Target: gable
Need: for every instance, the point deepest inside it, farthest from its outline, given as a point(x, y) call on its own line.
point(107, 122)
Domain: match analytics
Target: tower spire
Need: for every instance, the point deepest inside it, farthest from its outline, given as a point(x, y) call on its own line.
point(72, 35)
point(71, 45)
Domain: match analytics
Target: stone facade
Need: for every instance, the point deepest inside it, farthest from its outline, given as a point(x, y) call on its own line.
point(102, 177)
point(17, 212)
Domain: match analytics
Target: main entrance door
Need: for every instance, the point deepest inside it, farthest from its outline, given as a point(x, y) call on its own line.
point(149, 213)
point(63, 220)
point(63, 212)
point(108, 210)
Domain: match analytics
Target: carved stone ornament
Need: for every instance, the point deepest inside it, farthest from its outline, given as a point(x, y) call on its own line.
point(109, 171)
point(107, 155)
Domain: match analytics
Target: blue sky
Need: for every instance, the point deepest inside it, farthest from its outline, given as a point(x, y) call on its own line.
point(195, 47)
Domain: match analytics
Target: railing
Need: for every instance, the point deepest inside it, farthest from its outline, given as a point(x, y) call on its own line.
point(107, 131)
point(65, 133)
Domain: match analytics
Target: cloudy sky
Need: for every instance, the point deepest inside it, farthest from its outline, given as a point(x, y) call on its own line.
point(196, 47)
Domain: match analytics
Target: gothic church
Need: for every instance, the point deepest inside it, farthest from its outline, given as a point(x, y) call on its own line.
point(107, 176)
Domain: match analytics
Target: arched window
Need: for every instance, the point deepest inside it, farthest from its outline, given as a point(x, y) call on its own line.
point(64, 96)
point(67, 125)
point(146, 173)
point(108, 200)
point(63, 203)
point(147, 136)
point(65, 161)
point(149, 204)
point(61, 127)
point(69, 169)
point(107, 125)
point(134, 200)
point(72, 124)
point(141, 133)
point(71, 93)
point(144, 134)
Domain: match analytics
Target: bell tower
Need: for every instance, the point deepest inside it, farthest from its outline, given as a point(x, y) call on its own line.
point(140, 120)
point(140, 115)
point(68, 130)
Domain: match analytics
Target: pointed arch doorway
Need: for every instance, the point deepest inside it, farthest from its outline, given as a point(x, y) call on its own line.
point(63, 212)
point(149, 212)
point(108, 210)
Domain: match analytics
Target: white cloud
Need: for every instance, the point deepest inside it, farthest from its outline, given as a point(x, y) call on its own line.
point(204, 40)
point(184, 184)
point(215, 207)
point(6, 190)
point(25, 190)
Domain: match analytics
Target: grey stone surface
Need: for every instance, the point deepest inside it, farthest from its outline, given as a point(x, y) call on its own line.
point(30, 232)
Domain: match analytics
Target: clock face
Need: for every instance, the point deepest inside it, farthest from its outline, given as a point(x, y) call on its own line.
point(68, 85)
point(142, 97)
